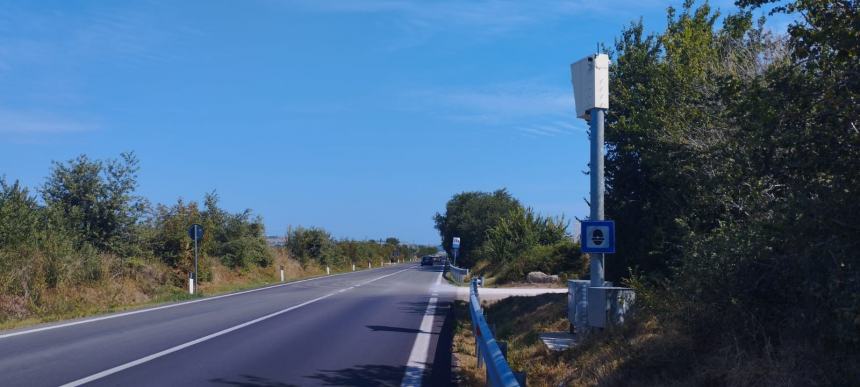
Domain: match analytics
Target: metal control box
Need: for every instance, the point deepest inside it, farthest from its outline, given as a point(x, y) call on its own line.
point(590, 77)
point(609, 305)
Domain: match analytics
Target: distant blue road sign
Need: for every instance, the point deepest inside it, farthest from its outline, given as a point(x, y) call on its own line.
point(598, 236)
point(195, 232)
point(456, 243)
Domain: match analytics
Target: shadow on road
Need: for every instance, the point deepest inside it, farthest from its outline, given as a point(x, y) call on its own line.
point(438, 374)
point(420, 307)
point(383, 328)
point(363, 375)
point(250, 381)
point(441, 370)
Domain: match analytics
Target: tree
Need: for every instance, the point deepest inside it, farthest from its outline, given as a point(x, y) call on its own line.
point(311, 245)
point(469, 215)
point(520, 230)
point(97, 200)
point(20, 216)
point(733, 168)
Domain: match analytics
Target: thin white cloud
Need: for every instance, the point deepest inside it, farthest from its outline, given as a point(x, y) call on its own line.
point(36, 122)
point(531, 108)
point(486, 16)
point(498, 103)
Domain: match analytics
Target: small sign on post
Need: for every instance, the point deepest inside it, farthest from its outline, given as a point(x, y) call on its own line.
point(455, 245)
point(598, 236)
point(195, 232)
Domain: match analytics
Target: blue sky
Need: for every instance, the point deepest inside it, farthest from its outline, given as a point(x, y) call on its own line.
point(362, 117)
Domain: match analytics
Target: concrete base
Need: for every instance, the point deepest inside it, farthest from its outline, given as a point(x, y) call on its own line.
point(558, 341)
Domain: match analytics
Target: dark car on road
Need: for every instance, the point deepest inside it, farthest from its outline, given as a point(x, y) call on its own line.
point(427, 261)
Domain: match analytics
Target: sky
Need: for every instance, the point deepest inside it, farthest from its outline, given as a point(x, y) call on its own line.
point(362, 117)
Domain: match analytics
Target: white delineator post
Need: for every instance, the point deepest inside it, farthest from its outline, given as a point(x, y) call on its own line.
point(353, 267)
point(327, 271)
point(190, 283)
point(282, 273)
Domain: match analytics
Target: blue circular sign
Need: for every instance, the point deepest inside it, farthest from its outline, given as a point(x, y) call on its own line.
point(195, 232)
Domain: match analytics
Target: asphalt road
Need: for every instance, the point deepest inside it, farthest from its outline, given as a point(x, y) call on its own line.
point(377, 327)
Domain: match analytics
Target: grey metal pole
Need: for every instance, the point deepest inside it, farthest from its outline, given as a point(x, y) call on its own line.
point(195, 260)
point(597, 187)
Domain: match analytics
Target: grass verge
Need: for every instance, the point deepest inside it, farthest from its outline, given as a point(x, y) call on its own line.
point(639, 353)
point(148, 285)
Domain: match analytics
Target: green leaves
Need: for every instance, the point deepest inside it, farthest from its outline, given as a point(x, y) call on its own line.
point(97, 201)
point(469, 215)
point(733, 171)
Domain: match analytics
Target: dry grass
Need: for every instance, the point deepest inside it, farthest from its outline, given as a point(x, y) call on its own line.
point(643, 352)
point(608, 358)
point(131, 284)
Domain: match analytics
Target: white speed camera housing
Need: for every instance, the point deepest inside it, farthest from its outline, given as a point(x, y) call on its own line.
point(590, 76)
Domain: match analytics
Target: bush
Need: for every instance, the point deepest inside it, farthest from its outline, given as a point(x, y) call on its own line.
point(245, 252)
point(563, 258)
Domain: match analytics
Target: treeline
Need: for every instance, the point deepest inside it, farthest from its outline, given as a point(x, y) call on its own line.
point(733, 175)
point(503, 239)
point(86, 224)
point(85, 242)
point(316, 246)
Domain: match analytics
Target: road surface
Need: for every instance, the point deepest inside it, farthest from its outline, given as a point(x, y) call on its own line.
point(373, 327)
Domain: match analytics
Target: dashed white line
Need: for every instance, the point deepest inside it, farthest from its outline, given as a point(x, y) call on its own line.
point(180, 347)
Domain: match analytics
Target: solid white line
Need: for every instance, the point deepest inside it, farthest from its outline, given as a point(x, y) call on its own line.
point(124, 314)
point(180, 347)
point(420, 350)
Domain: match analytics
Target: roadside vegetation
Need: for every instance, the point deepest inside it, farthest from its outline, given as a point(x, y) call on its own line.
point(504, 241)
point(733, 176)
point(85, 243)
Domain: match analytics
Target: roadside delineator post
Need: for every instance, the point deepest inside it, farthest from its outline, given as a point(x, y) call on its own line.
point(282, 273)
point(353, 267)
point(327, 271)
point(191, 282)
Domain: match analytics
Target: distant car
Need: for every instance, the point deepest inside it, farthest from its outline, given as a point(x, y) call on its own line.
point(427, 261)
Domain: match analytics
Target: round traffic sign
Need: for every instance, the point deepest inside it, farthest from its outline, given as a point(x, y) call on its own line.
point(195, 232)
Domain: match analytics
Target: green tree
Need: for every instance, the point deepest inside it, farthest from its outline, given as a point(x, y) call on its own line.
point(732, 175)
point(520, 230)
point(469, 215)
point(311, 245)
point(21, 218)
point(97, 200)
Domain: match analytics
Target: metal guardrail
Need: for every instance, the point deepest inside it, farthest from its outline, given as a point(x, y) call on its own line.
point(499, 373)
point(458, 274)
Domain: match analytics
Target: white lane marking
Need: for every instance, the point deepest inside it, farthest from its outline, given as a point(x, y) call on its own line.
point(124, 314)
point(420, 350)
point(180, 347)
